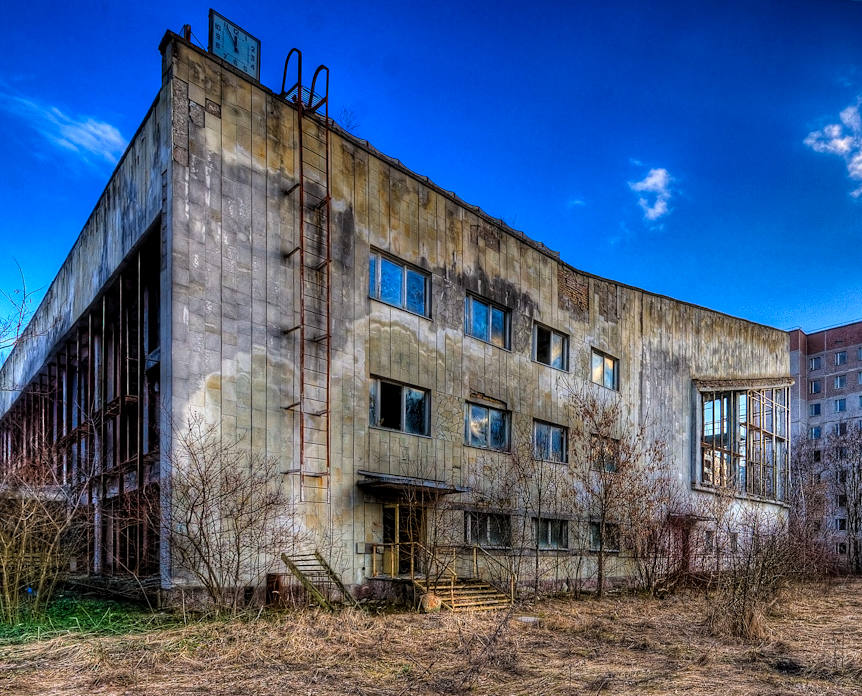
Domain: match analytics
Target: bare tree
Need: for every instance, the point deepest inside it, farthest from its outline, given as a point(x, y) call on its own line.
point(843, 460)
point(229, 515)
point(626, 488)
point(15, 315)
point(811, 500)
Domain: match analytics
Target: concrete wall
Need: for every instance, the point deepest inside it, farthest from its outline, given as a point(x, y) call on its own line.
point(128, 207)
point(233, 292)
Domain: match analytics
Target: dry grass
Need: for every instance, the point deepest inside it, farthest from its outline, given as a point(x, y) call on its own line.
point(615, 646)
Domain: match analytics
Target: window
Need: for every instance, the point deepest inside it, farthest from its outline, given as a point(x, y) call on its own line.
point(815, 386)
point(816, 455)
point(840, 405)
point(841, 549)
point(859, 354)
point(744, 441)
point(604, 453)
point(842, 476)
point(611, 538)
point(551, 534)
point(814, 433)
point(550, 347)
point(859, 378)
point(398, 407)
point(486, 427)
point(486, 529)
point(842, 501)
point(605, 370)
point(709, 541)
point(841, 524)
point(840, 381)
point(814, 409)
point(840, 357)
point(734, 542)
point(398, 284)
point(814, 363)
point(487, 322)
point(550, 442)
point(841, 429)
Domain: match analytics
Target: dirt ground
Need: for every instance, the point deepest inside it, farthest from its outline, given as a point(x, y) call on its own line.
point(623, 645)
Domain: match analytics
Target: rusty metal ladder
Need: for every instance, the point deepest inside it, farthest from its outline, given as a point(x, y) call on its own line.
point(313, 260)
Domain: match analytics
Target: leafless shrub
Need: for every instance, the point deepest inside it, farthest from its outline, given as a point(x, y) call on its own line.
point(41, 530)
point(229, 516)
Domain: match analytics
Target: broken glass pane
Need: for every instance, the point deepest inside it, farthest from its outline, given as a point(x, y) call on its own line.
point(543, 345)
point(390, 406)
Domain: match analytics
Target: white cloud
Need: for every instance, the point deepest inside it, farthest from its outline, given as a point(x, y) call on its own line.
point(655, 193)
point(844, 140)
point(576, 203)
point(87, 137)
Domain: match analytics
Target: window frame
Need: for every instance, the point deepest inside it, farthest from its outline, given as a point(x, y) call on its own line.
point(374, 292)
point(551, 426)
point(815, 363)
point(839, 382)
point(543, 535)
point(614, 537)
point(840, 358)
point(507, 416)
point(594, 353)
point(815, 432)
point(840, 404)
point(565, 350)
point(469, 298)
point(815, 386)
point(814, 409)
point(374, 406)
point(483, 524)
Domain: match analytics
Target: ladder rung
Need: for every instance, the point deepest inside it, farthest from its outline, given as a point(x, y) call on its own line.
point(321, 338)
point(321, 265)
point(317, 413)
point(291, 329)
point(323, 202)
point(291, 406)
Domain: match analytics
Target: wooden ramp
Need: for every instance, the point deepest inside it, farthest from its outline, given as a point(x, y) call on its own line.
point(465, 594)
point(318, 578)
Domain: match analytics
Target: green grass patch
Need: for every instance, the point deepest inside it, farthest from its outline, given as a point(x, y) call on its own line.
point(68, 614)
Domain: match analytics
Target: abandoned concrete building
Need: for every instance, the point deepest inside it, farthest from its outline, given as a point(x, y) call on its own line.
point(251, 262)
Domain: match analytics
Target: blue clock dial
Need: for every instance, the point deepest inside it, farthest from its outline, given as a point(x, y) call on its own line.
point(234, 45)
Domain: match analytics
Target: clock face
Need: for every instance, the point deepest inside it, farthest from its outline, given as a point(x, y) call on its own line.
point(237, 47)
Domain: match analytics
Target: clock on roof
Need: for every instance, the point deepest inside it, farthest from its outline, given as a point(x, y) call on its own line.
point(235, 45)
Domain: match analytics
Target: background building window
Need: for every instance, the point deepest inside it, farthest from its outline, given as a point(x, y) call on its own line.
point(604, 453)
point(398, 407)
point(487, 529)
point(549, 442)
point(841, 524)
point(398, 284)
point(487, 427)
point(814, 409)
point(815, 386)
point(551, 534)
point(487, 322)
point(611, 539)
point(605, 370)
point(814, 363)
point(814, 433)
point(840, 381)
point(840, 405)
point(550, 347)
point(840, 357)
point(744, 441)
point(840, 429)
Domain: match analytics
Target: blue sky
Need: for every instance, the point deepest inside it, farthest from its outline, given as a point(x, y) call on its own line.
point(710, 151)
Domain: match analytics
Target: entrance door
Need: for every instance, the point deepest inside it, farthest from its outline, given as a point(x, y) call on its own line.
point(402, 529)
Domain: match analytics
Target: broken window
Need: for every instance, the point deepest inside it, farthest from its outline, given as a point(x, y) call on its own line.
point(549, 442)
point(814, 363)
point(604, 453)
point(550, 347)
point(611, 537)
point(814, 409)
point(398, 284)
point(815, 386)
point(487, 529)
point(399, 407)
point(486, 427)
point(841, 524)
point(842, 501)
point(605, 370)
point(487, 321)
point(550, 533)
point(744, 441)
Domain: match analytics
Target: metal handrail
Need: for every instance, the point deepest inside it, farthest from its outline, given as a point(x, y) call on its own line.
point(506, 569)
